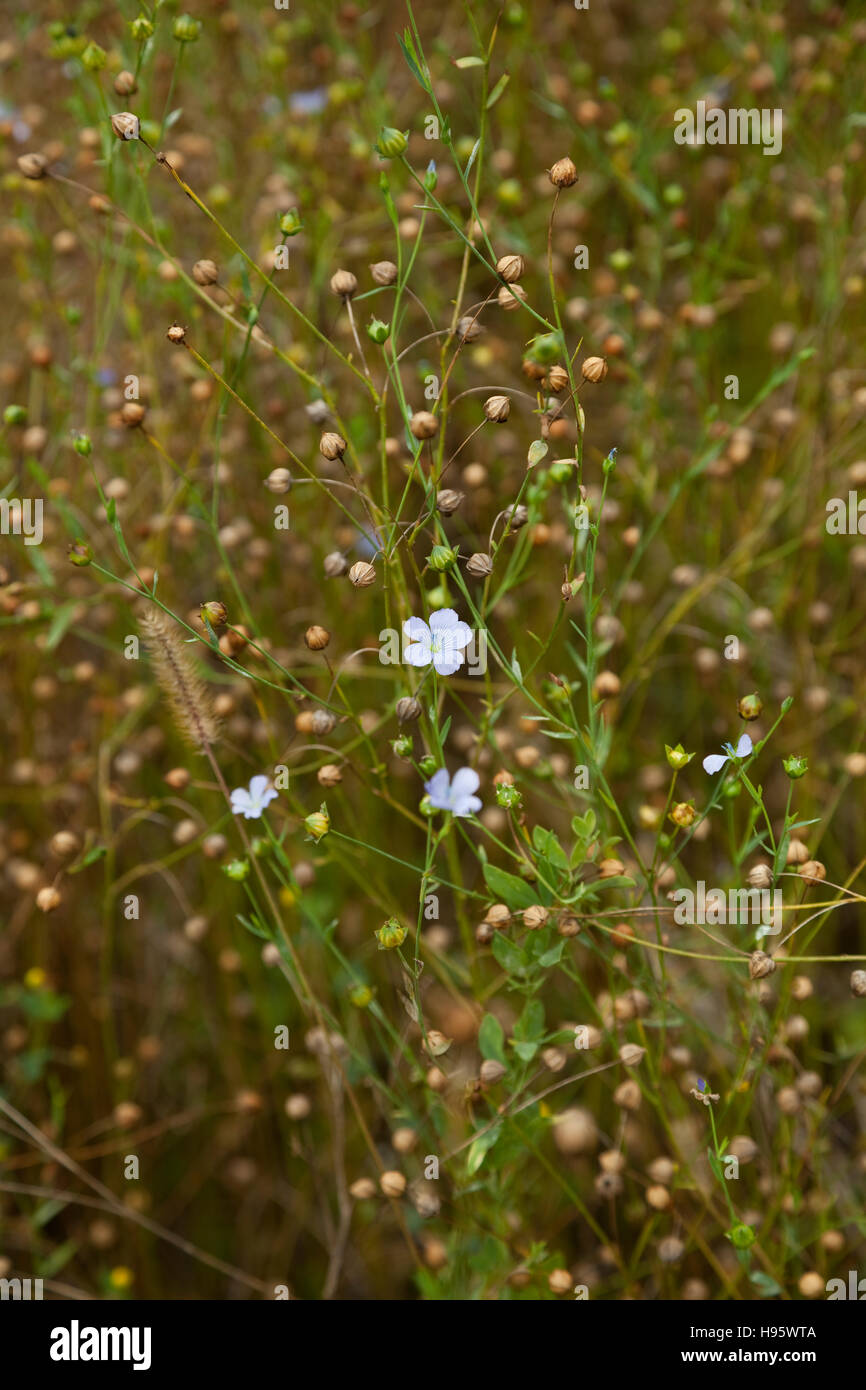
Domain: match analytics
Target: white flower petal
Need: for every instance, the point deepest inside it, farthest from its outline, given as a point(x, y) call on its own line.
point(418, 654)
point(416, 630)
point(467, 806)
point(437, 788)
point(460, 635)
point(464, 783)
point(446, 664)
point(442, 619)
point(258, 786)
point(714, 762)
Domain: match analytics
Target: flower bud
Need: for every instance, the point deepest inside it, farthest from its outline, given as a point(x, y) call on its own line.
point(237, 869)
point(392, 142)
point(290, 222)
point(683, 814)
point(677, 757)
point(391, 935)
point(377, 330)
point(795, 767)
point(93, 57)
point(141, 28)
point(750, 706)
point(83, 446)
point(186, 29)
point(442, 558)
point(361, 996)
point(80, 553)
point(215, 612)
point(318, 824)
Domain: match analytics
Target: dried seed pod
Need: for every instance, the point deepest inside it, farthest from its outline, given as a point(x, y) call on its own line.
point(384, 272)
point(332, 445)
point(205, 272)
point(491, 1072)
point(813, 871)
point(448, 500)
point(393, 1184)
point(335, 565)
point(126, 125)
point(344, 284)
point(516, 515)
point(497, 409)
point(858, 983)
point(535, 917)
point(468, 328)
point(125, 84)
point(32, 166)
point(362, 575)
point(329, 775)
point(363, 1189)
point(423, 424)
point(510, 268)
point(563, 173)
point(627, 1095)
point(760, 876)
point(322, 722)
point(511, 297)
point(761, 965)
point(479, 565)
point(575, 1131)
point(279, 480)
point(594, 369)
point(317, 638)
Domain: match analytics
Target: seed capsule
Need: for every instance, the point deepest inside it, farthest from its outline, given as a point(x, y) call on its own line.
point(125, 125)
point(344, 284)
point(563, 173)
point(362, 575)
point(332, 445)
point(423, 424)
point(594, 369)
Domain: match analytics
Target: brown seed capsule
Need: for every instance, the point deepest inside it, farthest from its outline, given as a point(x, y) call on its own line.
point(344, 284)
point(670, 1250)
point(607, 685)
point(559, 1281)
point(448, 500)
point(32, 166)
point(205, 272)
point(363, 1189)
point(516, 515)
point(611, 1161)
point(332, 445)
point(797, 853)
point(535, 917)
point(423, 424)
point(132, 413)
point(510, 268)
point(279, 480)
point(761, 965)
point(317, 638)
point(408, 709)
point(594, 369)
point(760, 876)
point(743, 1148)
point(479, 565)
point(322, 721)
point(858, 984)
point(491, 1072)
point(557, 380)
point(384, 272)
point(393, 1184)
point(47, 899)
point(511, 297)
point(335, 565)
point(64, 843)
point(362, 575)
point(176, 334)
point(575, 1131)
point(631, 1055)
point(125, 84)
point(608, 1184)
point(499, 915)
point(813, 871)
point(658, 1197)
point(329, 775)
point(627, 1095)
point(563, 173)
point(497, 409)
point(468, 328)
point(569, 926)
point(812, 1284)
point(178, 778)
point(125, 125)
